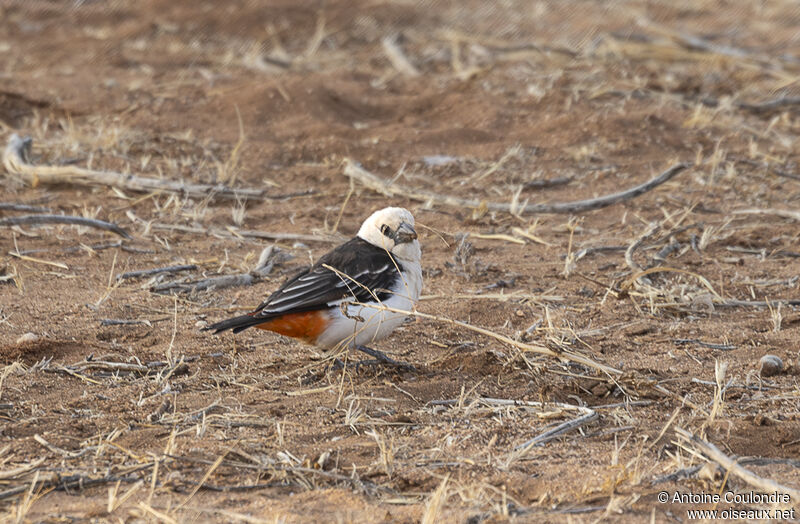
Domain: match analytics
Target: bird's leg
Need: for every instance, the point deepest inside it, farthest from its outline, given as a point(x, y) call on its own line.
point(382, 357)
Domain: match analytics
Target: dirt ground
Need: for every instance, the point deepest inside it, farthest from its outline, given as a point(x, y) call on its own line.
point(116, 407)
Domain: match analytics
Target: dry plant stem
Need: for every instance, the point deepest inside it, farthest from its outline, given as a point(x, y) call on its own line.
point(16, 152)
point(587, 416)
point(636, 244)
point(110, 366)
point(713, 453)
point(74, 249)
point(396, 56)
point(757, 303)
point(64, 219)
point(771, 105)
point(156, 271)
point(531, 348)
point(783, 213)
point(13, 473)
point(574, 357)
point(234, 233)
point(384, 187)
point(263, 268)
point(221, 282)
point(10, 206)
point(552, 182)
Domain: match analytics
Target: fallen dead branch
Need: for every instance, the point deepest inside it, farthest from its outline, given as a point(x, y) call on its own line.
point(76, 482)
point(587, 415)
point(16, 161)
point(156, 271)
point(709, 345)
point(26, 220)
point(27, 468)
point(713, 453)
point(783, 213)
point(636, 244)
point(757, 303)
point(10, 206)
point(270, 256)
point(232, 232)
point(547, 183)
point(124, 322)
point(391, 190)
point(771, 105)
point(91, 248)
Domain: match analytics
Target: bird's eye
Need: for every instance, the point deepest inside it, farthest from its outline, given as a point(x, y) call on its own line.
point(386, 230)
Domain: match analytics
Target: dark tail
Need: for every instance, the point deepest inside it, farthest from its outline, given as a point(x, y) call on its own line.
point(237, 324)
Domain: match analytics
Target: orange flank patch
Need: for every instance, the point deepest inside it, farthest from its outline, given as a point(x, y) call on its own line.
point(306, 326)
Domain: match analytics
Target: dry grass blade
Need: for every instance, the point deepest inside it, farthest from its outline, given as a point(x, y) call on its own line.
point(385, 187)
point(435, 503)
point(713, 453)
point(15, 161)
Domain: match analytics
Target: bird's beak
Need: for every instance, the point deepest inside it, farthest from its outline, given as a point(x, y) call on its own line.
point(405, 233)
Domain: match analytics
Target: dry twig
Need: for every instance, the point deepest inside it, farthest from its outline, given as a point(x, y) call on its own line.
point(16, 161)
point(730, 465)
point(64, 219)
point(387, 188)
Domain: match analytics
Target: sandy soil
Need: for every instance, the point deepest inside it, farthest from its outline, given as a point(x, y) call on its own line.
point(519, 102)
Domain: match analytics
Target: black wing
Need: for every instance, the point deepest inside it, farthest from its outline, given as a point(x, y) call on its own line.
point(365, 271)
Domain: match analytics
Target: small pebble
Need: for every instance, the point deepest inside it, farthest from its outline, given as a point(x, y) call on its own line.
point(770, 365)
point(27, 337)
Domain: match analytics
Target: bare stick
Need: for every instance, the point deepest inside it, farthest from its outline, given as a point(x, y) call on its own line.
point(783, 213)
point(213, 283)
point(771, 105)
point(10, 206)
point(17, 152)
point(713, 453)
point(397, 57)
point(270, 256)
point(722, 347)
point(654, 227)
point(64, 219)
point(552, 182)
point(385, 187)
point(587, 416)
point(124, 322)
point(109, 366)
point(233, 233)
point(156, 271)
point(757, 303)
point(13, 473)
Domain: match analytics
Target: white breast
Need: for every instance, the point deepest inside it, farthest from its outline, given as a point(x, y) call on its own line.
point(362, 324)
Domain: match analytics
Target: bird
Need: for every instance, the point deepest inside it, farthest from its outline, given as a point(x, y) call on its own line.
point(354, 295)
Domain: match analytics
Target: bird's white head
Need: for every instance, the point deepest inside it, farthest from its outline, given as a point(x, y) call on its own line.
point(392, 228)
